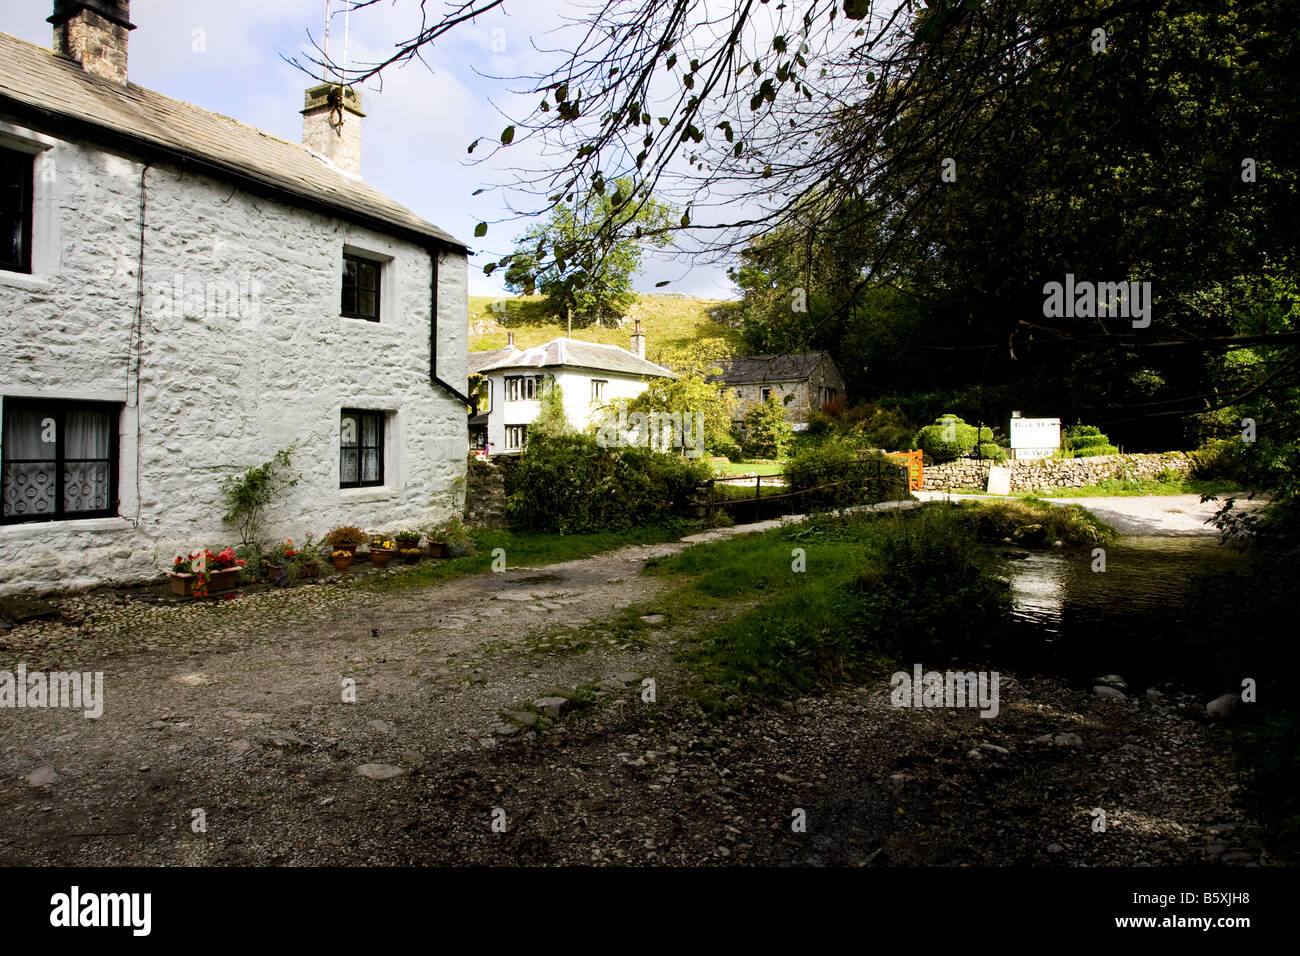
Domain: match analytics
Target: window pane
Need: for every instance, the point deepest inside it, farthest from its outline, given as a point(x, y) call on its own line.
point(370, 464)
point(365, 303)
point(15, 206)
point(28, 489)
point(29, 433)
point(87, 434)
point(348, 466)
point(349, 285)
point(367, 276)
point(349, 432)
point(370, 430)
point(85, 487)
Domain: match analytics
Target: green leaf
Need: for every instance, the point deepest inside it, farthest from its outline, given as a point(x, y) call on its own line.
point(471, 146)
point(507, 135)
point(480, 230)
point(660, 285)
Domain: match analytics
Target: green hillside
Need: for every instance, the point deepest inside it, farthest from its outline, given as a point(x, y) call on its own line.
point(672, 325)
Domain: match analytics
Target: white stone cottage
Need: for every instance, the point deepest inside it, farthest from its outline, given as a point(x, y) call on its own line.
point(590, 376)
point(181, 296)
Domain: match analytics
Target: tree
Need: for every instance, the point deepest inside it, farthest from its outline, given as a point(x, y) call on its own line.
point(592, 283)
point(551, 419)
point(768, 433)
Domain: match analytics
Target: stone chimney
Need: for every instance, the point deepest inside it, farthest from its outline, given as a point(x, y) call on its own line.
point(638, 341)
point(331, 125)
point(94, 33)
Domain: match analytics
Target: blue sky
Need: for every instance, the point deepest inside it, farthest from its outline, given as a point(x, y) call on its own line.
point(227, 57)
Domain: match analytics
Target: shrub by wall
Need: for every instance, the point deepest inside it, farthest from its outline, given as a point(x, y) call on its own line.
point(571, 485)
point(834, 474)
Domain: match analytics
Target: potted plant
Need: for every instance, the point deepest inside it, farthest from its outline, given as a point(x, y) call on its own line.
point(281, 562)
point(381, 551)
point(453, 539)
point(406, 540)
point(221, 573)
point(345, 538)
point(342, 559)
point(411, 555)
point(307, 561)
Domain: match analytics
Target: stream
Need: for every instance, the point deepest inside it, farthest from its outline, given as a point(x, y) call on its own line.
point(1131, 619)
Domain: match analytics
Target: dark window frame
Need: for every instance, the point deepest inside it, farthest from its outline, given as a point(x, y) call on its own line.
point(380, 435)
point(764, 393)
point(26, 165)
point(59, 408)
point(523, 384)
point(355, 313)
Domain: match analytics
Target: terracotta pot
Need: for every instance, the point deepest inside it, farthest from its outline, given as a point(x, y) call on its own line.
point(349, 548)
point(380, 557)
point(412, 555)
point(182, 585)
point(309, 571)
point(437, 549)
point(341, 563)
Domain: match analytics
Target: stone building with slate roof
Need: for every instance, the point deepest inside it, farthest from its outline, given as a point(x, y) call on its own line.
point(802, 381)
point(181, 295)
point(590, 376)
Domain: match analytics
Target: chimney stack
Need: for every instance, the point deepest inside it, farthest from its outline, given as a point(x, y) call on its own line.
point(331, 125)
point(638, 341)
point(94, 33)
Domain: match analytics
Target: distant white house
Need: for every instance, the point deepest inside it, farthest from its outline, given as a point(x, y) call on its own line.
point(590, 376)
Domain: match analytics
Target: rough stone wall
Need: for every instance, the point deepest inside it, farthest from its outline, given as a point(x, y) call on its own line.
point(1035, 475)
point(485, 493)
point(244, 353)
point(99, 45)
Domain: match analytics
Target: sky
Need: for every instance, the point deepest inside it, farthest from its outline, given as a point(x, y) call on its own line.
point(230, 57)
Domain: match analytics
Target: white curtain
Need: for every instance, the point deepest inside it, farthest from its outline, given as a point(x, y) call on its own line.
point(87, 435)
point(28, 484)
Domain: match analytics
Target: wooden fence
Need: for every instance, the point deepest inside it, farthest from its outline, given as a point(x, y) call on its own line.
point(870, 484)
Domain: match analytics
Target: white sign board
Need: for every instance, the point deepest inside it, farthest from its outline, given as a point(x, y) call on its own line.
point(1035, 437)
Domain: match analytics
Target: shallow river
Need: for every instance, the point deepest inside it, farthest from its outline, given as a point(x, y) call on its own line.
point(1130, 619)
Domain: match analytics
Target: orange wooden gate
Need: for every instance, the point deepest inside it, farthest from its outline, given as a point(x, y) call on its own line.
point(915, 471)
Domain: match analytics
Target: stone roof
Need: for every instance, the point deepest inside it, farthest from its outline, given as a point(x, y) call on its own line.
point(478, 361)
point(574, 353)
point(792, 367)
point(37, 85)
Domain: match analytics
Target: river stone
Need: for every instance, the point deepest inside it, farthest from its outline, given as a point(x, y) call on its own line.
point(1223, 706)
point(551, 706)
point(1101, 690)
point(1068, 740)
point(41, 776)
point(379, 771)
point(1113, 680)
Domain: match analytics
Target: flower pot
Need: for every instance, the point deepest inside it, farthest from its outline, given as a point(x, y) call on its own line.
point(437, 549)
point(411, 555)
point(349, 548)
point(341, 562)
point(380, 557)
point(182, 585)
point(274, 572)
point(309, 571)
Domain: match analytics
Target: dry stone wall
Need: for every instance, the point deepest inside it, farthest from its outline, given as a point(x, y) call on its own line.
point(1043, 473)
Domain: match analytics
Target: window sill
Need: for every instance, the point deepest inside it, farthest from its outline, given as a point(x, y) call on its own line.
point(26, 280)
point(360, 495)
point(73, 525)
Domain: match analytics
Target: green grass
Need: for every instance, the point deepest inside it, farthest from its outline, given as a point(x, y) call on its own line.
point(673, 326)
point(753, 467)
point(1118, 487)
point(869, 586)
point(524, 550)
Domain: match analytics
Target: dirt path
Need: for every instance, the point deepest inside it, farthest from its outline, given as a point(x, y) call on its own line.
point(236, 710)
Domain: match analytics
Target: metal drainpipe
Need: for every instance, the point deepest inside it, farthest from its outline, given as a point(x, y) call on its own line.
point(433, 332)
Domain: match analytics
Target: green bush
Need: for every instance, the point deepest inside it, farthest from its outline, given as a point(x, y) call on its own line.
point(835, 474)
point(726, 446)
point(875, 426)
point(571, 485)
point(950, 437)
point(1086, 441)
point(1222, 458)
point(992, 451)
point(768, 433)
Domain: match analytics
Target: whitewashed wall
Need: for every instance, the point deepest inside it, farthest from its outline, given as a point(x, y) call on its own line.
point(256, 359)
point(575, 385)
